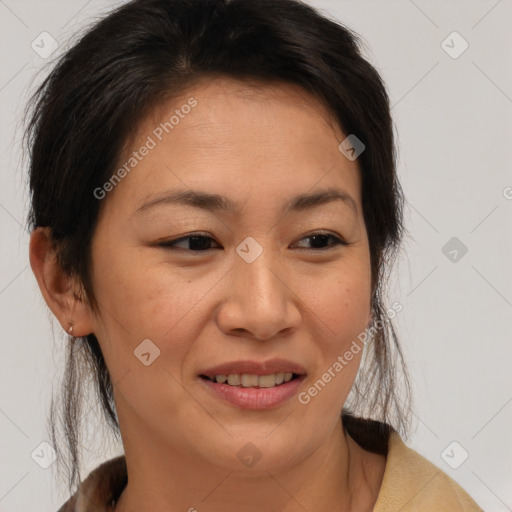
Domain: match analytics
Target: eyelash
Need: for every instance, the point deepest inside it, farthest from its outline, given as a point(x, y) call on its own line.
point(171, 244)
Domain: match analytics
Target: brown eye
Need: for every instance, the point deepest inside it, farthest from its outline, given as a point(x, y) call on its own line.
point(320, 241)
point(196, 243)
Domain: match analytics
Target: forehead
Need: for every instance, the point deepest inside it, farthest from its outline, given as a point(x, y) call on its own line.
point(218, 94)
point(237, 138)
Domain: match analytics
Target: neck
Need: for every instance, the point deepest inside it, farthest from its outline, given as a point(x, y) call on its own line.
point(337, 475)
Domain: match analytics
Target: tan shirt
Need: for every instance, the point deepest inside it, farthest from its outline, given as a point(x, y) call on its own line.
point(411, 484)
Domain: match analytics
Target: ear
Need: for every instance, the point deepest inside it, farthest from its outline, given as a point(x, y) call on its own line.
point(60, 291)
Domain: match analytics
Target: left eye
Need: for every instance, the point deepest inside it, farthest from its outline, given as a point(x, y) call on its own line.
point(320, 241)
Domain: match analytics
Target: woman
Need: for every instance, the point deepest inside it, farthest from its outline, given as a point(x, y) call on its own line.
point(214, 207)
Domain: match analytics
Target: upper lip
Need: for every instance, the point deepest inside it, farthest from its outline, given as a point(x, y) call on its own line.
point(254, 368)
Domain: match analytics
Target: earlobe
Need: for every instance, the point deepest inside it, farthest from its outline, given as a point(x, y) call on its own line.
point(57, 287)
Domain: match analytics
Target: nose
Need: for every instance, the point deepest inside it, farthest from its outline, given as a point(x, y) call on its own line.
point(259, 302)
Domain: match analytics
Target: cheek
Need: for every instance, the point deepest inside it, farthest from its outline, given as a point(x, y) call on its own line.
point(341, 303)
point(149, 303)
point(343, 320)
point(135, 303)
point(339, 313)
point(142, 296)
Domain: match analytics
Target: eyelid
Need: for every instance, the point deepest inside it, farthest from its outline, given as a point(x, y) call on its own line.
point(339, 240)
point(172, 243)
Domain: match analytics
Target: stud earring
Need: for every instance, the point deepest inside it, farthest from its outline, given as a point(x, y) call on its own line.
point(70, 330)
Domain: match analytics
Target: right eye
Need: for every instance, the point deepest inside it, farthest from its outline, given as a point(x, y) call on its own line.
point(195, 242)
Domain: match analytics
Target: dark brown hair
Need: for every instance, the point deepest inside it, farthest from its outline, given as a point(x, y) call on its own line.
point(144, 52)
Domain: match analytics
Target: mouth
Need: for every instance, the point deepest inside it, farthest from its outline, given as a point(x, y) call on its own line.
point(251, 384)
point(248, 380)
point(250, 391)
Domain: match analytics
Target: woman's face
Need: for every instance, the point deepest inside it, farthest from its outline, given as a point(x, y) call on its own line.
point(253, 173)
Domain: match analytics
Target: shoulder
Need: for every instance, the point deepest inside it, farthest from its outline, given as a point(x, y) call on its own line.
point(103, 485)
point(412, 483)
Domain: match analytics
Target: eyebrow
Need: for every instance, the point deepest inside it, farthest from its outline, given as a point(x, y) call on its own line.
point(218, 203)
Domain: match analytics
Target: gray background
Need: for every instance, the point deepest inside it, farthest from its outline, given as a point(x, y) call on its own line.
point(453, 121)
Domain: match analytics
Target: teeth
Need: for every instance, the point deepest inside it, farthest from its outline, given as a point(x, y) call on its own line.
point(233, 379)
point(247, 380)
point(250, 381)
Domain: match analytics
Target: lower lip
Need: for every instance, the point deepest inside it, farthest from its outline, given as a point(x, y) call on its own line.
point(255, 398)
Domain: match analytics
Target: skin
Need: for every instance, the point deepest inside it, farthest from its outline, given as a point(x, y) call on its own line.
point(259, 146)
